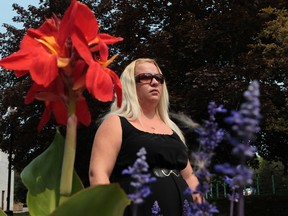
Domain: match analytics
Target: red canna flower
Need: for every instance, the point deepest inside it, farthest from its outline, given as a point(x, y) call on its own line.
point(65, 57)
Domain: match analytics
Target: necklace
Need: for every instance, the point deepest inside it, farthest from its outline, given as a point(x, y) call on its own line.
point(146, 127)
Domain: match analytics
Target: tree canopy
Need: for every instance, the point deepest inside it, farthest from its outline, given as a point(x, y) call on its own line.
point(208, 51)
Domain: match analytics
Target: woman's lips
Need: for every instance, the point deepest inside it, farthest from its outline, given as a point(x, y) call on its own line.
point(154, 91)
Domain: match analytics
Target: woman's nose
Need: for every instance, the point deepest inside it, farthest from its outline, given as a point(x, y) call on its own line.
point(154, 82)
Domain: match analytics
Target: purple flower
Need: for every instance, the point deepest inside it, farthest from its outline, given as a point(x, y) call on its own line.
point(210, 135)
point(209, 138)
point(234, 197)
point(226, 169)
point(236, 175)
point(140, 177)
point(140, 194)
point(156, 209)
point(201, 160)
point(203, 188)
point(209, 208)
point(230, 182)
point(187, 210)
point(203, 209)
point(244, 149)
point(245, 123)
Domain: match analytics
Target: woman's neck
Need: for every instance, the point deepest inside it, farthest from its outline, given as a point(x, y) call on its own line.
point(148, 113)
point(148, 110)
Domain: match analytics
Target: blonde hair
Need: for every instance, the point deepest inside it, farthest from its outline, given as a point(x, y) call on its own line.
point(130, 107)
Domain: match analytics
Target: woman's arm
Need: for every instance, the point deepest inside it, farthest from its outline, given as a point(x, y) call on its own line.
point(192, 181)
point(106, 146)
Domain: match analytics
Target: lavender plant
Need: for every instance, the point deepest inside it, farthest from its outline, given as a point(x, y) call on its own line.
point(187, 208)
point(245, 124)
point(156, 209)
point(141, 178)
point(209, 138)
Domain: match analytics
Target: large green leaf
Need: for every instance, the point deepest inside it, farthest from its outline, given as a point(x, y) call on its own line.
point(104, 200)
point(2, 213)
point(42, 179)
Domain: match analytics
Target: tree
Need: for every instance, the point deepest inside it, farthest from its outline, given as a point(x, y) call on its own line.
point(206, 49)
point(269, 52)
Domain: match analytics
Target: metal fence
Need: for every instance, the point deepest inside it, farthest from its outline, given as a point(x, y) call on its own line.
point(262, 185)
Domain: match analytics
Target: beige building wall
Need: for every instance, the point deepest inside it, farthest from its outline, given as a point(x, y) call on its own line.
point(4, 182)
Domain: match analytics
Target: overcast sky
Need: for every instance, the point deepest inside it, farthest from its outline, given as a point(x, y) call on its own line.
point(6, 12)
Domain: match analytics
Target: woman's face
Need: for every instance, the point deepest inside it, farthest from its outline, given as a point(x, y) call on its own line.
point(148, 82)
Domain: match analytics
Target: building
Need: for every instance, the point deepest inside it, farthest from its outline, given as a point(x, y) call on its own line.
point(4, 182)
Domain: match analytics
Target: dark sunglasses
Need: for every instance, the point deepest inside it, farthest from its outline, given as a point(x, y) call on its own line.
point(148, 77)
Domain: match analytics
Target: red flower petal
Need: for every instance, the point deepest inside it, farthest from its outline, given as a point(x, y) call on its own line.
point(19, 73)
point(99, 83)
point(67, 23)
point(48, 28)
point(31, 93)
point(81, 46)
point(44, 119)
point(117, 86)
point(60, 112)
point(44, 68)
point(20, 60)
point(86, 22)
point(108, 39)
point(83, 113)
point(29, 43)
point(104, 53)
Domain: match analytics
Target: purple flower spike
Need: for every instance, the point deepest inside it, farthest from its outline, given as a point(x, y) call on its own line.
point(187, 211)
point(141, 178)
point(209, 138)
point(156, 209)
point(245, 123)
point(210, 135)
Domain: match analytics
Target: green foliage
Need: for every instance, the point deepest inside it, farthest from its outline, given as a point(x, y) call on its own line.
point(42, 179)
point(270, 51)
point(105, 200)
point(272, 40)
point(20, 191)
point(207, 51)
point(2, 213)
point(266, 167)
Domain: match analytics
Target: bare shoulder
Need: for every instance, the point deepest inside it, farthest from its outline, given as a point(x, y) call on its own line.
point(112, 119)
point(109, 133)
point(111, 122)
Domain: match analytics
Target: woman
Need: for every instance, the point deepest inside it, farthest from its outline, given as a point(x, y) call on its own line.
point(143, 121)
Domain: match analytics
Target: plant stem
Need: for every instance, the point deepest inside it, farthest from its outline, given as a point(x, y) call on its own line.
point(231, 207)
point(241, 197)
point(68, 157)
point(241, 202)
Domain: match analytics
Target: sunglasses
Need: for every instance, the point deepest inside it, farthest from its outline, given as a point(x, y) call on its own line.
point(148, 77)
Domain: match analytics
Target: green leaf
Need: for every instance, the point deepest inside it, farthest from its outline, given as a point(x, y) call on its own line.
point(42, 179)
point(104, 200)
point(2, 213)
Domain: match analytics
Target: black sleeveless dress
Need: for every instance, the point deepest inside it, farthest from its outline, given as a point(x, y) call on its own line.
point(163, 152)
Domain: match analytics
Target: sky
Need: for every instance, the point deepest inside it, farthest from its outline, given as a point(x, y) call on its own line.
point(6, 11)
